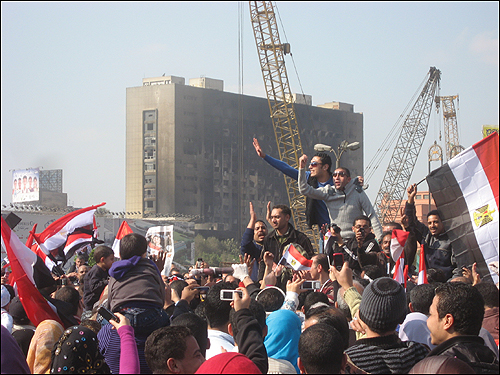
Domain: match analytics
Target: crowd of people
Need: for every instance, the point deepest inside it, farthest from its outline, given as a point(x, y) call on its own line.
point(263, 314)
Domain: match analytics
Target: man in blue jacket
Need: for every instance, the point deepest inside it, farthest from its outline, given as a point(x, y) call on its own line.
point(252, 240)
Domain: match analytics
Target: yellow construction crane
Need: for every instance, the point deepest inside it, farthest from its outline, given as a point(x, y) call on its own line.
point(453, 147)
point(272, 62)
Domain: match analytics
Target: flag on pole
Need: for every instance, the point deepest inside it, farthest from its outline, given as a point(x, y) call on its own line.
point(294, 258)
point(465, 190)
point(36, 249)
point(56, 234)
point(24, 264)
point(398, 242)
point(422, 269)
point(122, 232)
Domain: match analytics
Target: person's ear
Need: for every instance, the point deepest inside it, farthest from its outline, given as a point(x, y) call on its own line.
point(264, 332)
point(301, 366)
point(410, 306)
point(172, 366)
point(448, 321)
point(230, 329)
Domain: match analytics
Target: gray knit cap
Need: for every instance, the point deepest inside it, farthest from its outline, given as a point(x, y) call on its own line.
point(383, 305)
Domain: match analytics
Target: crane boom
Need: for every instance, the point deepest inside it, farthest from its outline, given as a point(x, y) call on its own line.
point(452, 142)
point(271, 56)
point(405, 154)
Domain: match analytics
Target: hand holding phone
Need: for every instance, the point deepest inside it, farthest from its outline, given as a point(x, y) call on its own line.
point(106, 314)
point(338, 261)
point(311, 285)
point(228, 294)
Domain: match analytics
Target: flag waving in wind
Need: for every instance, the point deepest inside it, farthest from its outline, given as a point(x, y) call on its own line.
point(24, 264)
point(122, 232)
point(422, 269)
point(56, 234)
point(465, 190)
point(398, 242)
point(294, 258)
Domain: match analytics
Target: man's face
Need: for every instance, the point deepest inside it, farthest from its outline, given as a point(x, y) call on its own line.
point(82, 271)
point(361, 229)
point(317, 168)
point(79, 262)
point(279, 219)
point(340, 179)
point(108, 262)
point(193, 358)
point(314, 269)
point(25, 180)
point(30, 182)
point(435, 225)
point(259, 232)
point(435, 325)
point(386, 244)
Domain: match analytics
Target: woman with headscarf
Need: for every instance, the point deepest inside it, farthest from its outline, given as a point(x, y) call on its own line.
point(283, 333)
point(46, 335)
point(77, 351)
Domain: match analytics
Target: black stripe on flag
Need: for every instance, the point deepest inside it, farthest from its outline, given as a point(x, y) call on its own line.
point(450, 202)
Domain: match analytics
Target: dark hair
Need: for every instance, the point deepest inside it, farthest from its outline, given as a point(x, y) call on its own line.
point(217, 311)
point(373, 271)
point(421, 297)
point(436, 213)
point(302, 298)
point(464, 303)
point(321, 349)
point(436, 275)
point(71, 296)
point(362, 217)
point(313, 298)
point(200, 311)
point(133, 244)
point(198, 328)
point(178, 286)
point(261, 221)
point(164, 343)
point(385, 234)
point(102, 251)
point(489, 292)
point(11, 291)
point(336, 318)
point(325, 159)
point(393, 224)
point(322, 260)
point(257, 311)
point(271, 299)
point(347, 171)
point(285, 209)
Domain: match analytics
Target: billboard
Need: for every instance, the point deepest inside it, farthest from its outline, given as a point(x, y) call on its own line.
point(25, 185)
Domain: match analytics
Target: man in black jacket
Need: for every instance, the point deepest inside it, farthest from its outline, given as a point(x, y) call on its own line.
point(456, 316)
point(283, 234)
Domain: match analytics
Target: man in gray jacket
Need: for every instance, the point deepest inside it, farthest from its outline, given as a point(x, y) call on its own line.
point(345, 201)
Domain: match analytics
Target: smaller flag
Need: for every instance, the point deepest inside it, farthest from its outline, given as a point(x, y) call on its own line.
point(398, 241)
point(422, 270)
point(122, 232)
point(294, 258)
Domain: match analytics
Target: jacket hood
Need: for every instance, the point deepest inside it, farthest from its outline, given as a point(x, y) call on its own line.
point(121, 267)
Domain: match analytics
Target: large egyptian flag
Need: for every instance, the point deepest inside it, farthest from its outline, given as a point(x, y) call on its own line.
point(122, 232)
point(29, 274)
point(398, 241)
point(465, 190)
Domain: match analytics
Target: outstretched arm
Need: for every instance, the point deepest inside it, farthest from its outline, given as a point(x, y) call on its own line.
point(276, 163)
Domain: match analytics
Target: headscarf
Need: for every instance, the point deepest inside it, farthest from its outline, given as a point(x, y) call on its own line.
point(77, 351)
point(46, 335)
point(283, 333)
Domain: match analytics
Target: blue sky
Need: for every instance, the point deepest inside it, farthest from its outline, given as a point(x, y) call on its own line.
point(65, 68)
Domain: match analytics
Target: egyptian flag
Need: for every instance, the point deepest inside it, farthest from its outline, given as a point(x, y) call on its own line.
point(36, 249)
point(56, 234)
point(422, 270)
point(465, 190)
point(398, 241)
point(122, 232)
point(29, 274)
point(294, 258)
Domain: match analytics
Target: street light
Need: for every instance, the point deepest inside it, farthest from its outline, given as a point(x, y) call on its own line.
point(340, 150)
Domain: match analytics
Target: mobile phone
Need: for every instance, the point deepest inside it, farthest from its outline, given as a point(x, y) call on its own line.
point(308, 284)
point(228, 294)
point(106, 314)
point(338, 261)
point(202, 289)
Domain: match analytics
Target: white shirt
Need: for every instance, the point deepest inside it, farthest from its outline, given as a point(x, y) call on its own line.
point(219, 339)
point(414, 328)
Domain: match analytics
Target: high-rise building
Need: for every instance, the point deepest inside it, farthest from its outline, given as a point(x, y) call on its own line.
point(189, 150)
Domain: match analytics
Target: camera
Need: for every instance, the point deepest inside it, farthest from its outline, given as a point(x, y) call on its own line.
point(106, 314)
point(228, 294)
point(335, 228)
point(310, 285)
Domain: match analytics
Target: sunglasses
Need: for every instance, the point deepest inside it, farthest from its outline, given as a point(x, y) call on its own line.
point(314, 163)
point(340, 174)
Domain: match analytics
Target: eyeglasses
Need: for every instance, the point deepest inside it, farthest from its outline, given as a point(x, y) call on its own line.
point(315, 163)
point(340, 174)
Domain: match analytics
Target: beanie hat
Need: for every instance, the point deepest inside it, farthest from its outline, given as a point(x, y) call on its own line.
point(16, 310)
point(5, 296)
point(383, 305)
point(228, 363)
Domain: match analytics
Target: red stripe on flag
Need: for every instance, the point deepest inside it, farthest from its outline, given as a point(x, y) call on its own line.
point(36, 306)
point(487, 153)
point(299, 257)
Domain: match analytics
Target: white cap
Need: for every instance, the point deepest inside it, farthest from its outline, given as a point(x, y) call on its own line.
point(5, 296)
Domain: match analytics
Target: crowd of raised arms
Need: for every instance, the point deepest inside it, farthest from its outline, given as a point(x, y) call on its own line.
point(285, 308)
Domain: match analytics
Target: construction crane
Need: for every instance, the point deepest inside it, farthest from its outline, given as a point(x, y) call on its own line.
point(408, 146)
point(272, 61)
point(453, 147)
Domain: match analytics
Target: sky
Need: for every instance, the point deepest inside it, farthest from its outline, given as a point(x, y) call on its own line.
point(65, 67)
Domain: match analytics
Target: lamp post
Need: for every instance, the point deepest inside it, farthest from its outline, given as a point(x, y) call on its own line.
point(340, 149)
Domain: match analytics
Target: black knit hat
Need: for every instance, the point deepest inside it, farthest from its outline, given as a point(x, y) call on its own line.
point(383, 305)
